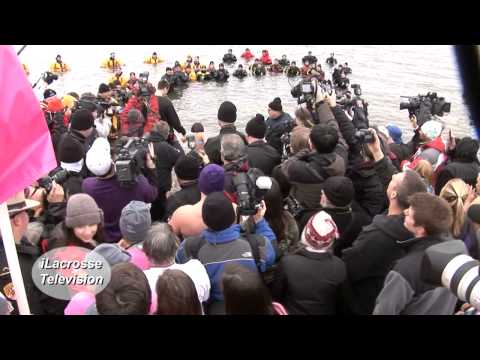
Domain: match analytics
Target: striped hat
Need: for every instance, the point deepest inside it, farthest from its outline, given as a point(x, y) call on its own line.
point(320, 231)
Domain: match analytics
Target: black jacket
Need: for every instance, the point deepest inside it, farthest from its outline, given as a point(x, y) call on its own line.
point(166, 157)
point(27, 255)
point(467, 171)
point(221, 75)
point(212, 146)
point(370, 259)
point(275, 129)
point(73, 135)
point(309, 283)
point(229, 58)
point(240, 73)
point(188, 195)
point(168, 114)
point(262, 156)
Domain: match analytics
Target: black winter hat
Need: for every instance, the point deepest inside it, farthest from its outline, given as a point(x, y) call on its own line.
point(217, 212)
point(82, 120)
point(48, 93)
point(187, 167)
point(197, 128)
point(276, 104)
point(339, 190)
point(256, 127)
point(227, 112)
point(70, 151)
point(103, 88)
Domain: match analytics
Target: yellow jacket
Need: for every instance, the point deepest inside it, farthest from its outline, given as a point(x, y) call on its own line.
point(123, 80)
point(192, 76)
point(109, 64)
point(150, 60)
point(56, 67)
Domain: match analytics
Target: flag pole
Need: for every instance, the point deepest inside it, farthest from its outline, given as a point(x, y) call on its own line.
point(12, 259)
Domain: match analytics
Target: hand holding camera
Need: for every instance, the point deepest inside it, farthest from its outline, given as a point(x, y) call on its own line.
point(375, 146)
point(57, 194)
point(262, 209)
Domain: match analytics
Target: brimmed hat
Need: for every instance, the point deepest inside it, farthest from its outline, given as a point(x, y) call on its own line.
point(18, 203)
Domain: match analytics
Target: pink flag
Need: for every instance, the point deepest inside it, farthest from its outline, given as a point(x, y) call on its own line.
point(26, 151)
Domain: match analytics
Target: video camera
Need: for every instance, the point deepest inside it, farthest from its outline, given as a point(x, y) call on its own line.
point(293, 206)
point(447, 264)
point(130, 159)
point(49, 77)
point(305, 91)
point(364, 136)
point(424, 106)
point(357, 90)
point(250, 187)
point(285, 139)
point(59, 176)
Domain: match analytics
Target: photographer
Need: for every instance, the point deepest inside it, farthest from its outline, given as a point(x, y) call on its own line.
point(277, 123)
point(260, 155)
point(166, 157)
point(109, 193)
point(168, 114)
point(234, 157)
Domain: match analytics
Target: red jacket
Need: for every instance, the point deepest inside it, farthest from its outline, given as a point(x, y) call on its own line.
point(152, 117)
point(247, 55)
point(265, 59)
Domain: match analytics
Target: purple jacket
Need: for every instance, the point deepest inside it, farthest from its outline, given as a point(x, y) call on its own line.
point(112, 198)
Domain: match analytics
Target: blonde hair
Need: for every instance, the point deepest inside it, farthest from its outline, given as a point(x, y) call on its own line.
point(425, 170)
point(455, 193)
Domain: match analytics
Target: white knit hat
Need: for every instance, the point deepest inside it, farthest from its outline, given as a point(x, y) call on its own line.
point(432, 129)
point(99, 160)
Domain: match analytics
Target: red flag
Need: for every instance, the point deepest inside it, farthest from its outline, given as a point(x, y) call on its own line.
point(26, 151)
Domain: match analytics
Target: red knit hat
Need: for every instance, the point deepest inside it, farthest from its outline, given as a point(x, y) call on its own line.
point(320, 231)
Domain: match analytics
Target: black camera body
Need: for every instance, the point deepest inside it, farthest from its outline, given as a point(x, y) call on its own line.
point(364, 136)
point(191, 141)
point(130, 159)
point(251, 188)
point(304, 92)
point(49, 77)
point(357, 90)
point(59, 176)
point(424, 106)
point(293, 206)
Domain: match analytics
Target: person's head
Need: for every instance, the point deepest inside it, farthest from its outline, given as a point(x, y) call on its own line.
point(275, 109)
point(401, 187)
point(428, 215)
point(306, 63)
point(217, 203)
point(161, 127)
point(17, 207)
point(176, 294)
point(240, 66)
point(221, 66)
point(58, 59)
point(161, 244)
point(133, 76)
point(203, 68)
point(431, 129)
point(187, 168)
point(244, 292)
point(135, 221)
point(466, 150)
point(320, 232)
point(99, 159)
point(324, 138)
point(256, 128)
point(303, 117)
point(197, 58)
point(104, 91)
point(300, 139)
point(84, 218)
point(232, 148)
point(154, 55)
point(294, 63)
point(211, 179)
point(275, 61)
point(82, 121)
point(227, 113)
point(309, 53)
point(319, 67)
point(425, 170)
point(164, 87)
point(395, 133)
point(112, 55)
point(188, 69)
point(455, 192)
point(230, 51)
point(127, 293)
point(71, 155)
point(338, 191)
point(247, 49)
point(284, 57)
point(169, 71)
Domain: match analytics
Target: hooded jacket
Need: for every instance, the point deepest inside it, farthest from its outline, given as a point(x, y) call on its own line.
point(370, 259)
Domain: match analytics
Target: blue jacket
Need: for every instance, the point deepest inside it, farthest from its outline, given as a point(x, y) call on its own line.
point(214, 249)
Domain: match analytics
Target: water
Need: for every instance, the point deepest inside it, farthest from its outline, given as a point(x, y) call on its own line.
point(384, 71)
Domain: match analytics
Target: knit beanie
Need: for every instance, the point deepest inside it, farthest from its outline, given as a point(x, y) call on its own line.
point(81, 120)
point(103, 88)
point(217, 212)
point(211, 179)
point(187, 167)
point(432, 129)
point(227, 112)
point(82, 210)
point(98, 159)
point(48, 93)
point(70, 151)
point(256, 127)
point(135, 221)
point(320, 231)
point(113, 253)
point(339, 190)
point(276, 104)
point(395, 133)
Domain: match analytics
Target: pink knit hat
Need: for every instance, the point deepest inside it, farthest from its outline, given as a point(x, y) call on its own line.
point(320, 231)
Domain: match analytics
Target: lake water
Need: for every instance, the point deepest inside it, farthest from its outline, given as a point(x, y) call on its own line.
point(384, 71)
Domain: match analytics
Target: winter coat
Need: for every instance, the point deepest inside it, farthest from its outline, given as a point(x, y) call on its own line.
point(151, 114)
point(275, 129)
point(168, 114)
point(370, 259)
point(309, 283)
point(212, 145)
point(188, 195)
point(467, 171)
point(262, 156)
point(405, 293)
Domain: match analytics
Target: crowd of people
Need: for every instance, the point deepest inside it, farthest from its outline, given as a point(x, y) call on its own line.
point(340, 227)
